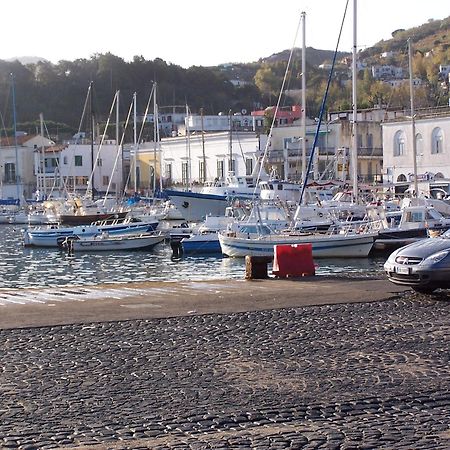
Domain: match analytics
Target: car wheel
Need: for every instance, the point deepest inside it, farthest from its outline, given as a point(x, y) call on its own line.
point(425, 289)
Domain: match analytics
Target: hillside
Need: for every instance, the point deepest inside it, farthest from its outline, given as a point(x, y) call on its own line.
point(59, 90)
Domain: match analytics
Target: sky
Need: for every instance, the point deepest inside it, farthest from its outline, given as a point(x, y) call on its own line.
point(198, 32)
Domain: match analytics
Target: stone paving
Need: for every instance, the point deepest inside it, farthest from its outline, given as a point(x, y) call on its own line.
point(360, 376)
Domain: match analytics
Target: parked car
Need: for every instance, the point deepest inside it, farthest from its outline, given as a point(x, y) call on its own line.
point(424, 265)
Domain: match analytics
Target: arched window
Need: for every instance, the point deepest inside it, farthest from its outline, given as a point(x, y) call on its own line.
point(401, 177)
point(419, 145)
point(437, 141)
point(399, 143)
point(439, 175)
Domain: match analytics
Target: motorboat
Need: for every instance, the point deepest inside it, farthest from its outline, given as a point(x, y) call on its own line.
point(106, 242)
point(51, 235)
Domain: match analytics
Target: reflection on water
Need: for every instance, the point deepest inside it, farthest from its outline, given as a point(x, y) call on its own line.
point(39, 267)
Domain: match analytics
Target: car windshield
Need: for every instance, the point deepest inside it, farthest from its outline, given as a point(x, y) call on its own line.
point(446, 235)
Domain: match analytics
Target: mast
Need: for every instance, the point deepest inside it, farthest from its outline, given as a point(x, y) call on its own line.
point(15, 136)
point(355, 111)
point(303, 16)
point(135, 142)
point(118, 188)
point(188, 150)
point(203, 146)
point(44, 181)
point(92, 120)
point(230, 163)
point(155, 137)
point(413, 119)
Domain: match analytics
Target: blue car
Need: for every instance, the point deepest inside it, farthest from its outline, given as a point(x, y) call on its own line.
point(423, 265)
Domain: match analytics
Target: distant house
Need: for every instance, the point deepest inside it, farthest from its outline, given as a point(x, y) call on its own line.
point(396, 83)
point(444, 70)
point(387, 54)
point(325, 66)
point(386, 72)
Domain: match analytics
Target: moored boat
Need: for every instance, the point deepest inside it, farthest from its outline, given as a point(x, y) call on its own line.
point(106, 242)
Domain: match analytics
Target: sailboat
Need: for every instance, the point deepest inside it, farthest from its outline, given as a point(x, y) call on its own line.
point(337, 242)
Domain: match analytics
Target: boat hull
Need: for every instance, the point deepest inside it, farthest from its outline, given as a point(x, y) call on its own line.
point(201, 244)
point(51, 237)
point(195, 206)
point(86, 219)
point(123, 242)
point(323, 246)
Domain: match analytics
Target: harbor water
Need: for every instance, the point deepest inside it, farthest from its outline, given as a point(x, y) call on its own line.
point(24, 267)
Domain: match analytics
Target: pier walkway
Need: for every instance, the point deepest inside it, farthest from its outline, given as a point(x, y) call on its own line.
point(320, 363)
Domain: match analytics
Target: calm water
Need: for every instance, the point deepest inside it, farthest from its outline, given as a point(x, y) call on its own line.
point(39, 267)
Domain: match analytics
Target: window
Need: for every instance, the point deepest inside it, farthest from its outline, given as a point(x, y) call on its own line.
point(168, 171)
point(419, 144)
point(53, 162)
point(202, 171)
point(99, 162)
point(437, 140)
point(231, 165)
point(81, 181)
point(248, 166)
point(184, 172)
point(359, 141)
point(10, 173)
point(370, 141)
point(105, 180)
point(401, 177)
point(399, 143)
point(220, 169)
point(65, 159)
point(78, 160)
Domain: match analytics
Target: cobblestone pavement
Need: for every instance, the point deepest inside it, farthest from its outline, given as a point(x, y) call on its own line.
point(360, 376)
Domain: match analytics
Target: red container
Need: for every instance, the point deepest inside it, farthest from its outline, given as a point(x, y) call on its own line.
point(293, 260)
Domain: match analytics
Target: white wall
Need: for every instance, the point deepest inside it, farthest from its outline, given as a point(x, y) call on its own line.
point(426, 161)
point(217, 147)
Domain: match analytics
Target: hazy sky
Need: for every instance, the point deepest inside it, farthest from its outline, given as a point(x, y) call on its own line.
point(197, 32)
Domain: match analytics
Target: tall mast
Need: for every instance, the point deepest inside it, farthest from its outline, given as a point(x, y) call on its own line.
point(230, 163)
point(135, 142)
point(355, 111)
point(92, 120)
point(44, 181)
point(303, 15)
point(188, 150)
point(15, 136)
point(118, 188)
point(413, 119)
point(203, 146)
point(155, 137)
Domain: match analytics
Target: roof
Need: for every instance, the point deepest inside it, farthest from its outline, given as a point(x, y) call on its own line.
point(8, 141)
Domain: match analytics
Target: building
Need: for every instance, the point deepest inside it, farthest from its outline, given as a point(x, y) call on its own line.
point(18, 178)
point(68, 168)
point(384, 72)
point(432, 132)
point(190, 160)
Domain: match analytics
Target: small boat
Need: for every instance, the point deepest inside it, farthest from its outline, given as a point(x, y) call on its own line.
point(52, 235)
point(106, 242)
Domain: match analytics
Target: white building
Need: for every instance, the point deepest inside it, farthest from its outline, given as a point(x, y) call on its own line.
point(432, 136)
point(386, 71)
point(18, 178)
point(183, 158)
point(69, 167)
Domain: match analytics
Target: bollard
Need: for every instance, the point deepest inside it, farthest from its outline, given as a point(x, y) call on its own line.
point(256, 267)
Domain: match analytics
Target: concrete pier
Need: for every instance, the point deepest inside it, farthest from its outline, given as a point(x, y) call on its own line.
point(313, 363)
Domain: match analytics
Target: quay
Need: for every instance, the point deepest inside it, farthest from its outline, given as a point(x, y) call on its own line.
point(313, 363)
